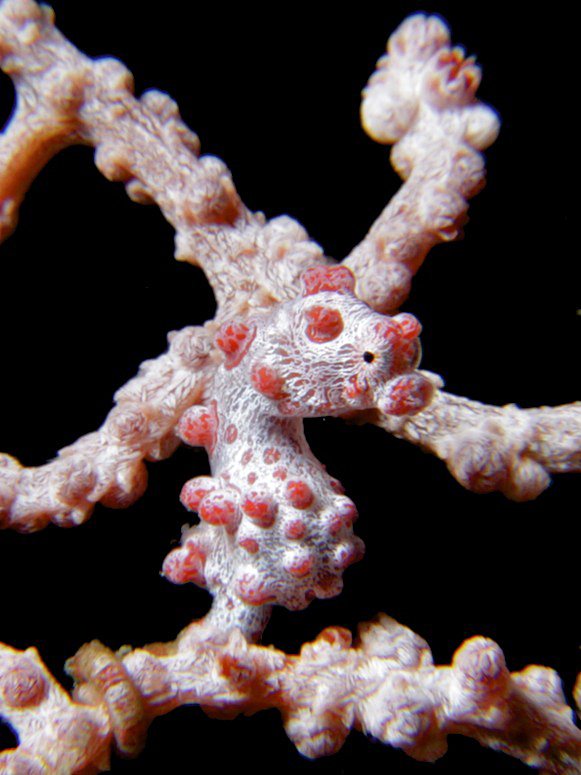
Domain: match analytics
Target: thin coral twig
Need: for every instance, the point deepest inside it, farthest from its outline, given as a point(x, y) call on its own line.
point(418, 509)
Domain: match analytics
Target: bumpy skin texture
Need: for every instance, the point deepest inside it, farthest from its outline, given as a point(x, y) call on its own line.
point(264, 348)
point(276, 528)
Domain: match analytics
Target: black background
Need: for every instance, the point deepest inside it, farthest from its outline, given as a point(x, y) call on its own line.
point(88, 289)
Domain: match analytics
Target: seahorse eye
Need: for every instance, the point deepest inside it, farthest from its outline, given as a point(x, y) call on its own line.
point(368, 357)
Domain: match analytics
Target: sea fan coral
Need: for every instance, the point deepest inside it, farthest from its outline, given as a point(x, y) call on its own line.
point(98, 289)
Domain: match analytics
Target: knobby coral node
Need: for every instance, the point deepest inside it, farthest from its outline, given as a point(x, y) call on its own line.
point(295, 336)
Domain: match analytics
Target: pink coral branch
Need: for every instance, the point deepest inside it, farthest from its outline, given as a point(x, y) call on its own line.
point(144, 144)
point(422, 99)
point(107, 465)
point(262, 291)
point(488, 448)
point(387, 685)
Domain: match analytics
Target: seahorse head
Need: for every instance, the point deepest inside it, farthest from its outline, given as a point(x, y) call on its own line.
point(327, 352)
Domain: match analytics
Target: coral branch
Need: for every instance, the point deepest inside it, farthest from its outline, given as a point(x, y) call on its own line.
point(488, 448)
point(65, 98)
point(240, 385)
point(107, 466)
point(421, 98)
point(386, 685)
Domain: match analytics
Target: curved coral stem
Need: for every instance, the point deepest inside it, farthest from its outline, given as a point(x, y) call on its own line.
point(492, 448)
point(385, 684)
point(422, 98)
point(107, 465)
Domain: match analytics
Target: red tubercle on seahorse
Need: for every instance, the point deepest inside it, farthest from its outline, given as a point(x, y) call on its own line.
point(389, 332)
point(325, 324)
point(295, 529)
point(337, 486)
point(249, 544)
point(194, 490)
point(343, 515)
point(198, 426)
point(299, 565)
point(219, 508)
point(328, 278)
point(271, 455)
point(268, 382)
point(231, 434)
point(260, 507)
point(409, 326)
point(253, 589)
point(186, 563)
point(357, 386)
point(348, 553)
point(234, 339)
point(406, 394)
point(299, 494)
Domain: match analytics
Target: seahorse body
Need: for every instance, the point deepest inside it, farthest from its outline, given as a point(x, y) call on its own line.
point(275, 527)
